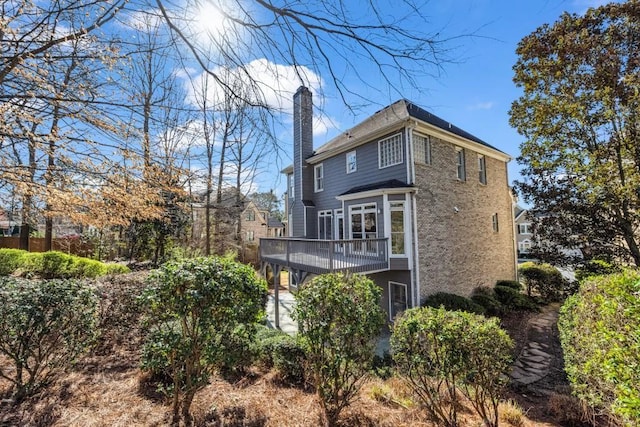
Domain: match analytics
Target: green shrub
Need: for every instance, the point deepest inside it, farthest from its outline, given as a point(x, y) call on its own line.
point(514, 300)
point(339, 318)
point(486, 298)
point(44, 327)
point(113, 268)
point(54, 265)
point(197, 309)
point(85, 267)
point(510, 284)
point(10, 260)
point(544, 279)
point(453, 302)
point(289, 359)
point(442, 353)
point(595, 267)
point(600, 335)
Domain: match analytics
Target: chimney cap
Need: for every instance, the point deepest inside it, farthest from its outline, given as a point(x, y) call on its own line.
point(302, 89)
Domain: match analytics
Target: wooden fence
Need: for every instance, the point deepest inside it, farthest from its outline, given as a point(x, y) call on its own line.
point(36, 244)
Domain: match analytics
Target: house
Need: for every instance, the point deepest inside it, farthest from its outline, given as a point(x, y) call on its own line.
point(240, 220)
point(524, 231)
point(414, 202)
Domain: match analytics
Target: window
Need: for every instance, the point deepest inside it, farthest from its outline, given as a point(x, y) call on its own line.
point(390, 151)
point(250, 236)
point(352, 165)
point(250, 215)
point(524, 228)
point(422, 149)
point(397, 299)
point(524, 246)
point(461, 173)
point(291, 186)
point(324, 225)
point(318, 172)
point(363, 225)
point(397, 228)
point(494, 221)
point(482, 169)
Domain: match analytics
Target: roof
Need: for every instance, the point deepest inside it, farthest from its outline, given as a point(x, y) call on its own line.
point(394, 114)
point(273, 222)
point(393, 183)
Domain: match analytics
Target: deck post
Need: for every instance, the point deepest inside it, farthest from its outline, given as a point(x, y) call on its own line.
point(276, 286)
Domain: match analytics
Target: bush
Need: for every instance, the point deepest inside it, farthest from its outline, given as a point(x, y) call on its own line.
point(264, 342)
point(44, 327)
point(600, 336)
point(54, 265)
point(486, 298)
point(544, 279)
point(10, 260)
point(453, 302)
point(514, 284)
point(441, 353)
point(197, 310)
point(595, 267)
point(339, 319)
point(514, 300)
point(289, 359)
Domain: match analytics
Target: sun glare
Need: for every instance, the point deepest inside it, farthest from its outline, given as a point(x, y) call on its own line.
point(212, 23)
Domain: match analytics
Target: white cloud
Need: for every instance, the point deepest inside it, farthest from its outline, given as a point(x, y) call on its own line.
point(481, 106)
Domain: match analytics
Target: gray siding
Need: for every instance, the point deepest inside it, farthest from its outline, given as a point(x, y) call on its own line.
point(337, 181)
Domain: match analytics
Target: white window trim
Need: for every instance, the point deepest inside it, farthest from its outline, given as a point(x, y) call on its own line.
point(321, 216)
point(318, 179)
point(355, 161)
point(400, 159)
point(406, 297)
point(482, 169)
point(460, 150)
point(528, 227)
point(387, 226)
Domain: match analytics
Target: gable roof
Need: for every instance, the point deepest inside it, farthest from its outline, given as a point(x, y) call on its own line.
point(388, 119)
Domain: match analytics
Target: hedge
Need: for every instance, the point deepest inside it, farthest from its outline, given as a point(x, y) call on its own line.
point(53, 265)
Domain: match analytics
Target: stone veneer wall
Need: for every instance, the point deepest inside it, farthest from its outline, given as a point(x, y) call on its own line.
point(459, 251)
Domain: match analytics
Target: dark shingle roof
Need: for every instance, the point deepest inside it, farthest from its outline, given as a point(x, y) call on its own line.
point(393, 183)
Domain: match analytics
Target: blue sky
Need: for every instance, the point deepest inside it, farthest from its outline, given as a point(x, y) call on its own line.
point(476, 92)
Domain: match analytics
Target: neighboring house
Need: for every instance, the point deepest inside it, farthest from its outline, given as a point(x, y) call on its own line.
point(524, 231)
point(8, 227)
point(238, 217)
point(414, 202)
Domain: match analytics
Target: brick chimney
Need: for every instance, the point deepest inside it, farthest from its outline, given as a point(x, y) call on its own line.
point(302, 149)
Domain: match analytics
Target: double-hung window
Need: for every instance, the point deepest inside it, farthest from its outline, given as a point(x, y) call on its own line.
point(461, 171)
point(494, 222)
point(318, 182)
point(482, 169)
point(397, 228)
point(390, 151)
point(352, 164)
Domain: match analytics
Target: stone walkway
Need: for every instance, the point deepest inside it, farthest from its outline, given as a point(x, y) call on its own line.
point(535, 359)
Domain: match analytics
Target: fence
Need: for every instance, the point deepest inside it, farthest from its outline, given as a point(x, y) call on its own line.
point(36, 244)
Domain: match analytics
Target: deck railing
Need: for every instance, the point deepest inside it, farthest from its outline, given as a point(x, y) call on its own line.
point(324, 256)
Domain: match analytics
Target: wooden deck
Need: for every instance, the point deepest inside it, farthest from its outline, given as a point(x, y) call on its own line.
point(326, 256)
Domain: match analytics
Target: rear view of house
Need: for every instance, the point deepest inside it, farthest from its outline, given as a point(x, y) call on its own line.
point(414, 202)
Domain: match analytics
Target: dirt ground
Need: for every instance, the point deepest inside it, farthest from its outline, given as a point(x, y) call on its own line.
point(107, 388)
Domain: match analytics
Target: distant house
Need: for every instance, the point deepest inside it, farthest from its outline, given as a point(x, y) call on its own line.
point(524, 231)
point(240, 221)
point(8, 227)
point(414, 202)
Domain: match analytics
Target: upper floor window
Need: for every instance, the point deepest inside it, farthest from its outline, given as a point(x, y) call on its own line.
point(291, 186)
point(494, 221)
point(482, 169)
point(318, 182)
point(250, 236)
point(352, 165)
point(422, 149)
point(397, 228)
point(524, 228)
point(461, 171)
point(390, 151)
point(250, 215)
